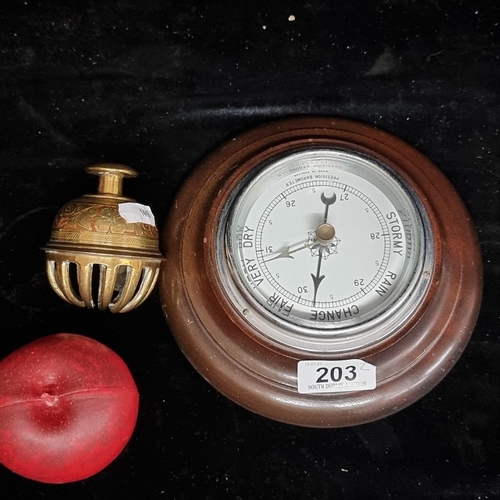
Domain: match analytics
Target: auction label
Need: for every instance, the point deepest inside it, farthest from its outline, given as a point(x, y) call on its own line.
point(135, 212)
point(316, 377)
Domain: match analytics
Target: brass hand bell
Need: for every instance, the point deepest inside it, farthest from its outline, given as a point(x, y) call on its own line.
point(104, 247)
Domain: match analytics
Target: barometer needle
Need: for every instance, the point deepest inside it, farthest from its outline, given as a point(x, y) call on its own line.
point(327, 201)
point(318, 279)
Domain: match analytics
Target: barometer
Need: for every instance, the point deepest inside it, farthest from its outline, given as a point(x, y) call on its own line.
point(320, 272)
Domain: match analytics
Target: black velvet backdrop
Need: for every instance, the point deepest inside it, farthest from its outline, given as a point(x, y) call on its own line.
point(157, 85)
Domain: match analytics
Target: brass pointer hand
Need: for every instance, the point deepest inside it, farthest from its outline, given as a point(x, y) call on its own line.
point(287, 253)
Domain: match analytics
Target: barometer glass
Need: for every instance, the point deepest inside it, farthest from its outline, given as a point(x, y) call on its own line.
point(318, 247)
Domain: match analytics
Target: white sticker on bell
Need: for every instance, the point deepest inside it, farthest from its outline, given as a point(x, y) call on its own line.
point(135, 212)
point(321, 376)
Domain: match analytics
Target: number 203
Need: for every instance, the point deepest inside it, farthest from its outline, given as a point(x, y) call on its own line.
point(336, 374)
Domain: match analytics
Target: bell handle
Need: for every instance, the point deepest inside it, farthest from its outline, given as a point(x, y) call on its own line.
point(111, 177)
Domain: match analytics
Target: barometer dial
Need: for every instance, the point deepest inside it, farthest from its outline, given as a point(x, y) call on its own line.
point(323, 244)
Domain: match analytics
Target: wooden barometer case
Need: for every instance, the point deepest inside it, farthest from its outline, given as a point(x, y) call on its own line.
point(320, 272)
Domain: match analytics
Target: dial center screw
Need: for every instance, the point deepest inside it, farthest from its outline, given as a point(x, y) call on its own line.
point(325, 233)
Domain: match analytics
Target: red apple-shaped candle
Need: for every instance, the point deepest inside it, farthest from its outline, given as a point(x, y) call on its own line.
point(68, 407)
